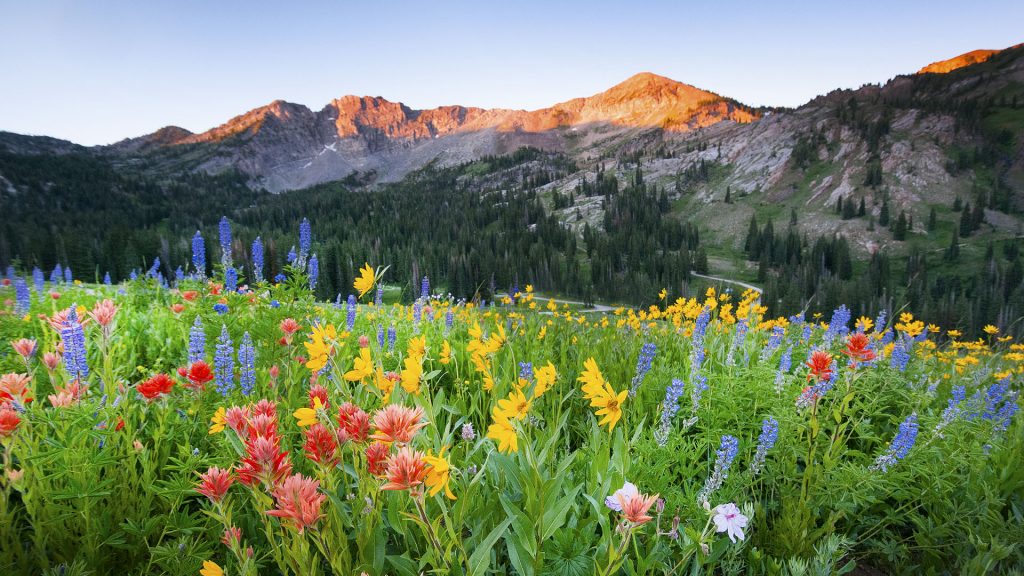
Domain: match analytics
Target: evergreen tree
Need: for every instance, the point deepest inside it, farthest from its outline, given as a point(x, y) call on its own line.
point(953, 250)
point(899, 231)
point(966, 221)
point(932, 220)
point(883, 213)
point(861, 209)
point(728, 195)
point(848, 210)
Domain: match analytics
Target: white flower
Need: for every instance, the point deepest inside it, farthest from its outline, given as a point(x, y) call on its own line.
point(627, 491)
point(728, 519)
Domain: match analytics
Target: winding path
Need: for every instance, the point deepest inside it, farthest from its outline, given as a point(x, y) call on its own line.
point(728, 281)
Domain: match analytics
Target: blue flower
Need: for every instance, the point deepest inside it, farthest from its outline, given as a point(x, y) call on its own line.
point(220, 308)
point(526, 371)
point(314, 272)
point(350, 317)
point(899, 357)
point(199, 254)
point(74, 347)
point(643, 365)
point(22, 296)
point(225, 241)
point(231, 279)
point(784, 365)
point(257, 259)
point(449, 319)
point(39, 280)
point(280, 278)
point(57, 275)
point(247, 361)
point(901, 445)
point(392, 336)
point(765, 442)
point(669, 408)
point(379, 298)
point(106, 279)
point(154, 270)
point(224, 363)
point(725, 454)
point(305, 240)
point(68, 277)
point(425, 288)
point(275, 304)
point(196, 341)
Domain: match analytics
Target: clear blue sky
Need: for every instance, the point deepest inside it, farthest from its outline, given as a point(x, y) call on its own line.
point(97, 72)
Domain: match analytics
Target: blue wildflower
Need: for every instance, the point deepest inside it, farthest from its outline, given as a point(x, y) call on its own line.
point(379, 298)
point(280, 278)
point(40, 282)
point(196, 341)
point(774, 341)
point(526, 371)
point(73, 337)
point(350, 316)
point(725, 454)
point(739, 337)
point(765, 442)
point(700, 384)
point(899, 357)
point(154, 269)
point(449, 320)
point(953, 409)
point(880, 322)
point(231, 279)
point(199, 254)
point(106, 278)
point(224, 228)
point(669, 408)
point(224, 363)
point(784, 365)
point(22, 296)
point(57, 275)
point(220, 308)
point(305, 240)
point(425, 288)
point(901, 445)
point(257, 259)
point(643, 365)
point(247, 362)
point(275, 304)
point(68, 277)
point(313, 272)
point(380, 337)
point(392, 336)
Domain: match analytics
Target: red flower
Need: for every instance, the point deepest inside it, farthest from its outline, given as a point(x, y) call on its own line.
point(9, 420)
point(318, 391)
point(189, 295)
point(156, 386)
point(177, 308)
point(406, 470)
point(321, 445)
point(289, 326)
point(237, 418)
point(263, 425)
point(265, 407)
point(232, 537)
point(215, 483)
point(120, 425)
point(857, 348)
point(377, 458)
point(264, 462)
point(820, 365)
point(298, 500)
point(354, 421)
point(199, 373)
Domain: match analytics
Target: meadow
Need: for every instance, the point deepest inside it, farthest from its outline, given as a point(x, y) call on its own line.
point(214, 424)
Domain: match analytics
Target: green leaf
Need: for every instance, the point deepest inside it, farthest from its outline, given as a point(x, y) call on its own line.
point(481, 556)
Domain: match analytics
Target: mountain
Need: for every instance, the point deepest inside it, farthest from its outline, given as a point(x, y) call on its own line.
point(284, 146)
point(946, 66)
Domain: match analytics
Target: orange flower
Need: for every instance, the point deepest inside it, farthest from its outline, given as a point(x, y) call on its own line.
point(377, 458)
point(635, 507)
point(406, 470)
point(397, 423)
point(14, 386)
point(156, 386)
point(298, 500)
point(9, 421)
point(820, 365)
point(857, 348)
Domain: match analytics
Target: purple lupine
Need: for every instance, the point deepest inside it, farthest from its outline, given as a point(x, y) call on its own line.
point(669, 408)
point(196, 341)
point(22, 296)
point(199, 254)
point(350, 317)
point(313, 272)
point(224, 228)
point(257, 260)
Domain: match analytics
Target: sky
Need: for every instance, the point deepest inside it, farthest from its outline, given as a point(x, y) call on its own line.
point(98, 72)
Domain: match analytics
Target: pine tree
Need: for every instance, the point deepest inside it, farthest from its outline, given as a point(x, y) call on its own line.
point(958, 204)
point(848, 210)
point(839, 205)
point(792, 216)
point(883, 213)
point(899, 231)
point(966, 221)
point(932, 220)
point(750, 245)
point(862, 209)
point(728, 195)
point(953, 251)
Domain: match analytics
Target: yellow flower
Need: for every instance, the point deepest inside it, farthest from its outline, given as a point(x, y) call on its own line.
point(552, 306)
point(546, 376)
point(990, 330)
point(543, 332)
point(438, 473)
point(217, 422)
point(365, 281)
point(384, 384)
point(417, 347)
point(363, 366)
point(864, 323)
point(611, 406)
point(663, 294)
point(592, 379)
point(319, 353)
point(211, 569)
point(411, 375)
point(504, 433)
point(529, 288)
point(515, 406)
point(308, 416)
point(954, 333)
point(446, 353)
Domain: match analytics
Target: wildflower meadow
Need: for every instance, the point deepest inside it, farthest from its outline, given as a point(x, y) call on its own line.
point(230, 423)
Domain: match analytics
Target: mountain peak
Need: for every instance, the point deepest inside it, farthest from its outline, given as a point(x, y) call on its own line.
point(957, 62)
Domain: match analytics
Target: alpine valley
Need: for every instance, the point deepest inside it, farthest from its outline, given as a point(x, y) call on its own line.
point(906, 196)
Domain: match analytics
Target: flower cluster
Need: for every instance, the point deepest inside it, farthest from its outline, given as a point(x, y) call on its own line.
point(643, 366)
point(900, 446)
point(724, 456)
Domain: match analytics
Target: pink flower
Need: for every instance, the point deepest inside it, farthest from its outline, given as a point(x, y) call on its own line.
point(14, 386)
point(728, 519)
point(215, 483)
point(103, 312)
point(298, 501)
point(25, 347)
point(627, 491)
point(51, 360)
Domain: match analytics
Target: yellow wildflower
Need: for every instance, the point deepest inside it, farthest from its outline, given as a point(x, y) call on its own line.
point(217, 422)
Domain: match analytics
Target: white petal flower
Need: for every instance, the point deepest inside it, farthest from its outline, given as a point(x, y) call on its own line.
point(729, 519)
point(627, 491)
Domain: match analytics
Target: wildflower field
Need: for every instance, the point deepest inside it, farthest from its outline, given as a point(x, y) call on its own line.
point(217, 424)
